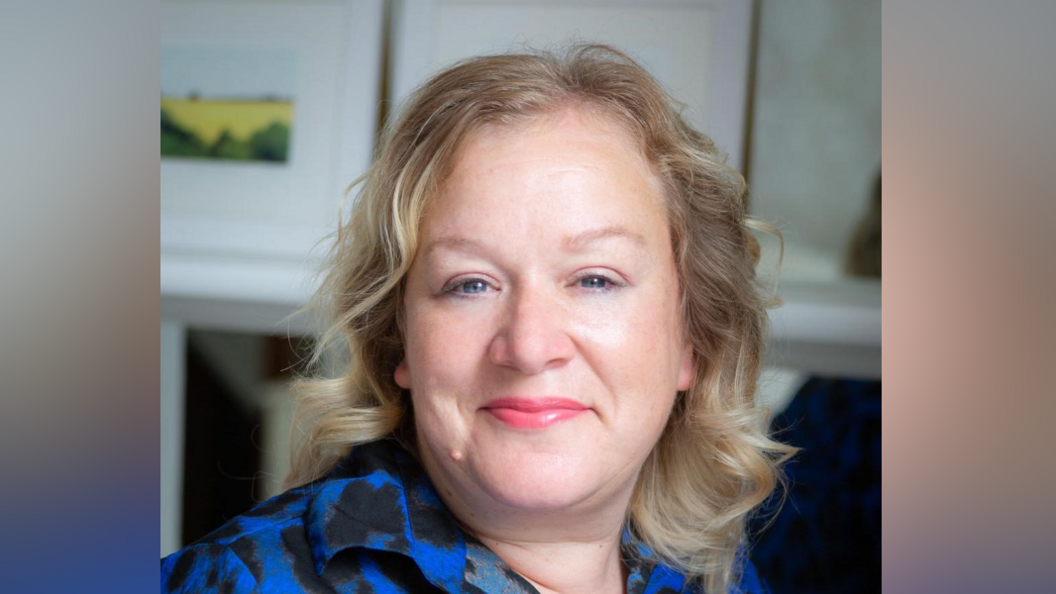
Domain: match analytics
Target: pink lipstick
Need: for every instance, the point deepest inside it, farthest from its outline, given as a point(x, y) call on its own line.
point(534, 413)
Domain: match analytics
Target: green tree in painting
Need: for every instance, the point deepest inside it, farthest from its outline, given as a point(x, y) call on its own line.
point(229, 147)
point(178, 141)
point(271, 143)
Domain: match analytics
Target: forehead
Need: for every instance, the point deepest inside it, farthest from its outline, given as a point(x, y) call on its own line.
point(567, 168)
point(573, 128)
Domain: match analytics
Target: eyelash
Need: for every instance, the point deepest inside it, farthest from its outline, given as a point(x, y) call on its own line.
point(612, 284)
point(452, 288)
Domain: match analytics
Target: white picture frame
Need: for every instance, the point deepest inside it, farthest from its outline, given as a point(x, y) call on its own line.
point(240, 241)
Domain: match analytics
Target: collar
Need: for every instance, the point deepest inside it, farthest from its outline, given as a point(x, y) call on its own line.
point(380, 498)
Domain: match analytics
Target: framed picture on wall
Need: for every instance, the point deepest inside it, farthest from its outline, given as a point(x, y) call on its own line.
point(227, 104)
point(268, 113)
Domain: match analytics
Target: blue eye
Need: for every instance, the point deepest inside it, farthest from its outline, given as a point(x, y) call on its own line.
point(595, 282)
point(473, 286)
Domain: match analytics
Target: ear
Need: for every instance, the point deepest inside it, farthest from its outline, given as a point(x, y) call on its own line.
point(687, 370)
point(403, 375)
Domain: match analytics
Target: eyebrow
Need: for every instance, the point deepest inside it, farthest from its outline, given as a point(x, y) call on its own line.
point(580, 241)
point(573, 243)
point(458, 244)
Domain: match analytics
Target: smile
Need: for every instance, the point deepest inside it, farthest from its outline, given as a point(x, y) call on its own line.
point(534, 413)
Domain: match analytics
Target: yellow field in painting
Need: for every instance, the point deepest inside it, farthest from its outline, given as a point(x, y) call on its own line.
point(242, 118)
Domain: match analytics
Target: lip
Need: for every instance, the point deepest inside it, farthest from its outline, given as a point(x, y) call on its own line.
point(534, 413)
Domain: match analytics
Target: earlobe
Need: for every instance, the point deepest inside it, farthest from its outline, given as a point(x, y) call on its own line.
point(403, 375)
point(687, 370)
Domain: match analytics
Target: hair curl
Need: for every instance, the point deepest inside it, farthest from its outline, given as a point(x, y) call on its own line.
point(714, 463)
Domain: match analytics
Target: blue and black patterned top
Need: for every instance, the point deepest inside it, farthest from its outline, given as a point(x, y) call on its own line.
point(373, 524)
point(826, 538)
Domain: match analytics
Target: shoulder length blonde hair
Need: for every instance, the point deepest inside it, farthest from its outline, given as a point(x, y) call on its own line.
point(714, 463)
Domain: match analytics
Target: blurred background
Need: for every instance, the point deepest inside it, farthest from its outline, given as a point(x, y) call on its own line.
point(270, 108)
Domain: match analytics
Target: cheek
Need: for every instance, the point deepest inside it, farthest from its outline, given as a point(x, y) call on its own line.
point(641, 329)
point(435, 366)
point(443, 353)
point(636, 350)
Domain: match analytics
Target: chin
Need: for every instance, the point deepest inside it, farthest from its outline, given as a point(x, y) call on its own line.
point(539, 481)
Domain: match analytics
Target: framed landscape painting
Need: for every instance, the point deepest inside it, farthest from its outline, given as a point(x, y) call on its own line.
point(227, 103)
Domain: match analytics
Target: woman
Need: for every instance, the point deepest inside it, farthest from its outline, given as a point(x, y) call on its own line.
point(547, 287)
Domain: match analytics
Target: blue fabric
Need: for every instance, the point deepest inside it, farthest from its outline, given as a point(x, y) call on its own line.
point(374, 524)
point(826, 538)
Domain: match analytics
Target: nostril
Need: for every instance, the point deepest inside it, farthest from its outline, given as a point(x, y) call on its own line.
point(498, 351)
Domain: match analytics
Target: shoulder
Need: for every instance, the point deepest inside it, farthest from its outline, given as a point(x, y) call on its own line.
point(205, 568)
point(226, 559)
point(289, 538)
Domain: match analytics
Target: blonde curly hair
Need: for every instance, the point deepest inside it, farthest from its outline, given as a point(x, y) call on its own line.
point(714, 464)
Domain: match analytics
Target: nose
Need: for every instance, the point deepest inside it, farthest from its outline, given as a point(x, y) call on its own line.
point(533, 337)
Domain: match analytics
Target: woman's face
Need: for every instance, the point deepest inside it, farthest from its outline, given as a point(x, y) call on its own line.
point(543, 343)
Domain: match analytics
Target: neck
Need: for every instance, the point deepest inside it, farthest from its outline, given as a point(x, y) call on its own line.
point(569, 550)
point(566, 567)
